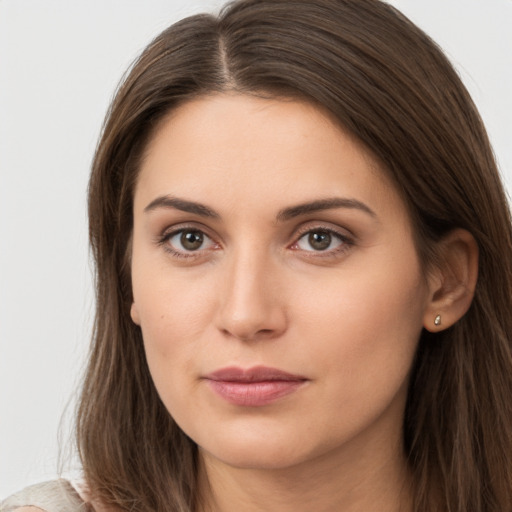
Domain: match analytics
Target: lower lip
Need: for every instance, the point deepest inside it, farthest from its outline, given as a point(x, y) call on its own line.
point(254, 394)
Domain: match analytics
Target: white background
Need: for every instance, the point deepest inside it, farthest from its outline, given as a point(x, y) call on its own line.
point(60, 62)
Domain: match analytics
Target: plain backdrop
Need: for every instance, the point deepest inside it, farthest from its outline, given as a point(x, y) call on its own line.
point(60, 62)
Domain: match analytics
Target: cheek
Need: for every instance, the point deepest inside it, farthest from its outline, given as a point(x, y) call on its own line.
point(174, 313)
point(366, 326)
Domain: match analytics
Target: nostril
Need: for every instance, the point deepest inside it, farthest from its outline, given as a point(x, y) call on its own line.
point(259, 335)
point(248, 336)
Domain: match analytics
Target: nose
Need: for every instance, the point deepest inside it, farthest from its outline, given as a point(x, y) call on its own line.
point(252, 305)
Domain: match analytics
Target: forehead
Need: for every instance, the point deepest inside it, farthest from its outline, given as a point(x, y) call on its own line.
point(239, 150)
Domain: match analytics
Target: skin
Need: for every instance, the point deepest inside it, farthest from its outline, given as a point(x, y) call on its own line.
point(257, 292)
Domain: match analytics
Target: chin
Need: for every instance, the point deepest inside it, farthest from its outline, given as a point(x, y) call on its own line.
point(253, 452)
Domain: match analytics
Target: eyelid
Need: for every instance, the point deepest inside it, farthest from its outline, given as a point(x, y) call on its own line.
point(343, 234)
point(163, 238)
point(309, 226)
point(184, 226)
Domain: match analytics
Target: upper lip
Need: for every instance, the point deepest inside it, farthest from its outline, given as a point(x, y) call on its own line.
point(255, 374)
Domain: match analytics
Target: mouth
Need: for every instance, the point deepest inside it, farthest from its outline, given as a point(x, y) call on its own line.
point(253, 387)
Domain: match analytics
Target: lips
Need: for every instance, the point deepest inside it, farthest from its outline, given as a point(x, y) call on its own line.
point(253, 387)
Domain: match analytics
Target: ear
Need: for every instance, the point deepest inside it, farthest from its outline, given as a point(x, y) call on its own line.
point(134, 313)
point(452, 281)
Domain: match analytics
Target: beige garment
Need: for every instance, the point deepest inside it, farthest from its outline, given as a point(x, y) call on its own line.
point(53, 496)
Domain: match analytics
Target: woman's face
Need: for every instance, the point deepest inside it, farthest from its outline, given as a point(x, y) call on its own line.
point(276, 283)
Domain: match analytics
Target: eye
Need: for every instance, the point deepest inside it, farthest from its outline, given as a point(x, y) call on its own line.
point(187, 241)
point(320, 240)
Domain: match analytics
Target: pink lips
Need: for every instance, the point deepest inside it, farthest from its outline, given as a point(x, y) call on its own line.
point(253, 387)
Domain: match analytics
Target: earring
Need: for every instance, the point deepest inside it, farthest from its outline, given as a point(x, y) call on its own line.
point(437, 320)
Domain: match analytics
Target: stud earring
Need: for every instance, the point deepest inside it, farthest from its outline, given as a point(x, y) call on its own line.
point(437, 320)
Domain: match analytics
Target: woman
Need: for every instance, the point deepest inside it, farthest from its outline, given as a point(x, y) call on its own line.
point(303, 274)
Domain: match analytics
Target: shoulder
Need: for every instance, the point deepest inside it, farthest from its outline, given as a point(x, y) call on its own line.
point(28, 509)
point(53, 496)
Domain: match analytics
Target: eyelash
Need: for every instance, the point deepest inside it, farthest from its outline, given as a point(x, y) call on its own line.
point(346, 242)
point(163, 240)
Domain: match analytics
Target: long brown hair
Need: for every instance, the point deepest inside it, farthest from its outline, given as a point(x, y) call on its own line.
point(391, 86)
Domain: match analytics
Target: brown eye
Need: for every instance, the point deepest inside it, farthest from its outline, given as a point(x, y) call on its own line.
point(191, 240)
point(186, 241)
point(319, 240)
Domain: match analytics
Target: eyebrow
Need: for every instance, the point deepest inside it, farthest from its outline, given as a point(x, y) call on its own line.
point(202, 210)
point(169, 202)
point(324, 204)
